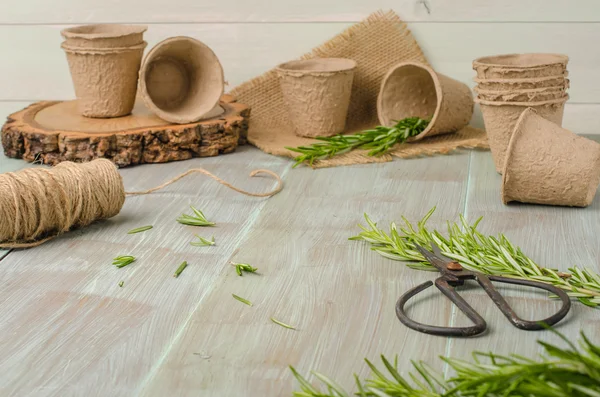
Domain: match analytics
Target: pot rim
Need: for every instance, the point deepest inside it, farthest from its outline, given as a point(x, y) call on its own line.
point(525, 104)
point(119, 30)
point(524, 91)
point(288, 67)
point(102, 51)
point(523, 80)
point(509, 150)
point(438, 94)
point(165, 114)
point(492, 61)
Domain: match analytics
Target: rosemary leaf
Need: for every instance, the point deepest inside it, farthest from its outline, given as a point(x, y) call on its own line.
point(561, 371)
point(140, 229)
point(378, 141)
point(476, 252)
point(121, 284)
point(202, 242)
point(282, 324)
point(245, 301)
point(123, 260)
point(180, 269)
point(239, 267)
point(198, 220)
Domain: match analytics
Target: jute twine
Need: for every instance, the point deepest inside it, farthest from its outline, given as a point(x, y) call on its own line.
point(38, 204)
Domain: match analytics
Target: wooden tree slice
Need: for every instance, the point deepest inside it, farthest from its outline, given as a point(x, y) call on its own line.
point(51, 132)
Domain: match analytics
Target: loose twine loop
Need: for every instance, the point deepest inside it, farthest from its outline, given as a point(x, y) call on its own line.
point(38, 204)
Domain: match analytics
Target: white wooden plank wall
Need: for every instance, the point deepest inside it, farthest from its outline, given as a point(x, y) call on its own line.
point(251, 37)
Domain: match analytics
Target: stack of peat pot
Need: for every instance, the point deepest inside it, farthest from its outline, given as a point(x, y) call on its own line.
point(522, 98)
point(509, 84)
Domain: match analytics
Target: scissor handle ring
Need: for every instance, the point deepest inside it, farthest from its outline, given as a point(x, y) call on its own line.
point(478, 328)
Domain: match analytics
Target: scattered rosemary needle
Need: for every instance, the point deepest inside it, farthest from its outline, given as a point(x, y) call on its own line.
point(198, 220)
point(140, 229)
point(121, 284)
point(202, 242)
point(282, 324)
point(180, 269)
point(239, 267)
point(378, 141)
point(246, 301)
point(123, 260)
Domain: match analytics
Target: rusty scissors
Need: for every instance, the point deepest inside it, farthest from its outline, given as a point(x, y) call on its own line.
point(453, 275)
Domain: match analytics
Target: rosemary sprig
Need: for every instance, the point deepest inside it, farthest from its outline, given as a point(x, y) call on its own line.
point(197, 220)
point(243, 267)
point(180, 269)
point(123, 260)
point(378, 141)
point(140, 229)
point(202, 242)
point(476, 252)
point(245, 301)
point(569, 371)
point(284, 325)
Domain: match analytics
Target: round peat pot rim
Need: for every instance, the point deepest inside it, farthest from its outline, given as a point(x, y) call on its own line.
point(509, 151)
point(102, 51)
point(102, 31)
point(525, 80)
point(438, 93)
point(188, 56)
point(525, 104)
point(317, 66)
point(512, 61)
point(539, 90)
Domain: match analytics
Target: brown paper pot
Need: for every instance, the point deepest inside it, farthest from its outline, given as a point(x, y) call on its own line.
point(181, 80)
point(415, 90)
point(520, 66)
point(546, 164)
point(104, 36)
point(105, 81)
point(534, 95)
point(500, 119)
point(317, 93)
point(522, 84)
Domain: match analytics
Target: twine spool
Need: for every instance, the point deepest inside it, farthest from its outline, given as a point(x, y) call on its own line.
point(38, 204)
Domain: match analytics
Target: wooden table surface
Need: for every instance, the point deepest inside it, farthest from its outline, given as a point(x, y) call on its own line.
point(68, 329)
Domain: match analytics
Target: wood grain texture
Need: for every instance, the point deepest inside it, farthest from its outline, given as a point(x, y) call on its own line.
point(52, 132)
point(63, 311)
point(248, 50)
point(153, 11)
point(338, 293)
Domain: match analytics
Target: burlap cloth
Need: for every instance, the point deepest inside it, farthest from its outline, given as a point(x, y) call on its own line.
point(376, 44)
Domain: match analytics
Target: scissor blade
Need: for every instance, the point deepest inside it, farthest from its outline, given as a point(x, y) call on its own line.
point(438, 261)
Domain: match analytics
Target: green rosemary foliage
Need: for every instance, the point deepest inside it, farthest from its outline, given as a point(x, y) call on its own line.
point(123, 260)
point(244, 301)
point(476, 252)
point(243, 267)
point(180, 269)
point(284, 325)
point(198, 220)
point(202, 242)
point(562, 371)
point(378, 141)
point(140, 229)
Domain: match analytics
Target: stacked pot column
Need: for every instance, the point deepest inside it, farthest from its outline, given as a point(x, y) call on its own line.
point(509, 84)
point(104, 61)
